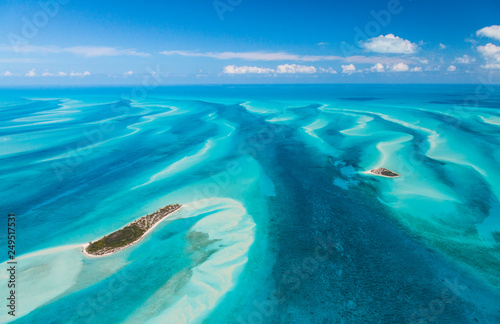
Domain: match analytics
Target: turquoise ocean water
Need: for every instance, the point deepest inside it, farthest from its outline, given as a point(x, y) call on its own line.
point(280, 223)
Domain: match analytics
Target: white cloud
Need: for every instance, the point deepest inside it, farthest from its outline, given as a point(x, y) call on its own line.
point(452, 68)
point(295, 68)
point(348, 68)
point(232, 69)
point(96, 51)
point(47, 73)
point(491, 66)
point(79, 74)
point(281, 69)
point(389, 44)
point(490, 51)
point(421, 60)
point(87, 51)
point(31, 73)
point(24, 60)
point(129, 73)
point(377, 68)
point(322, 44)
point(442, 46)
point(400, 67)
point(471, 40)
point(491, 32)
point(491, 54)
point(26, 48)
point(256, 56)
point(433, 68)
point(466, 59)
point(328, 70)
point(374, 60)
point(281, 56)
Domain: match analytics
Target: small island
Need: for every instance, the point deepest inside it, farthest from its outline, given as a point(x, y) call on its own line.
point(128, 235)
point(384, 173)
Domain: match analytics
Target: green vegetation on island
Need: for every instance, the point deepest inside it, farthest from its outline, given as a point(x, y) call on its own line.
point(128, 235)
point(385, 173)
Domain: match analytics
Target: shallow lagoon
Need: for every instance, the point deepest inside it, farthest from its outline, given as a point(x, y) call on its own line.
point(282, 224)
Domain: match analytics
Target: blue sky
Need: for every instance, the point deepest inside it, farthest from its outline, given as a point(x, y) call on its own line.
point(248, 41)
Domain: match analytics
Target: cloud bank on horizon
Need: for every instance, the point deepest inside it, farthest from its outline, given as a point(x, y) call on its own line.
point(55, 42)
